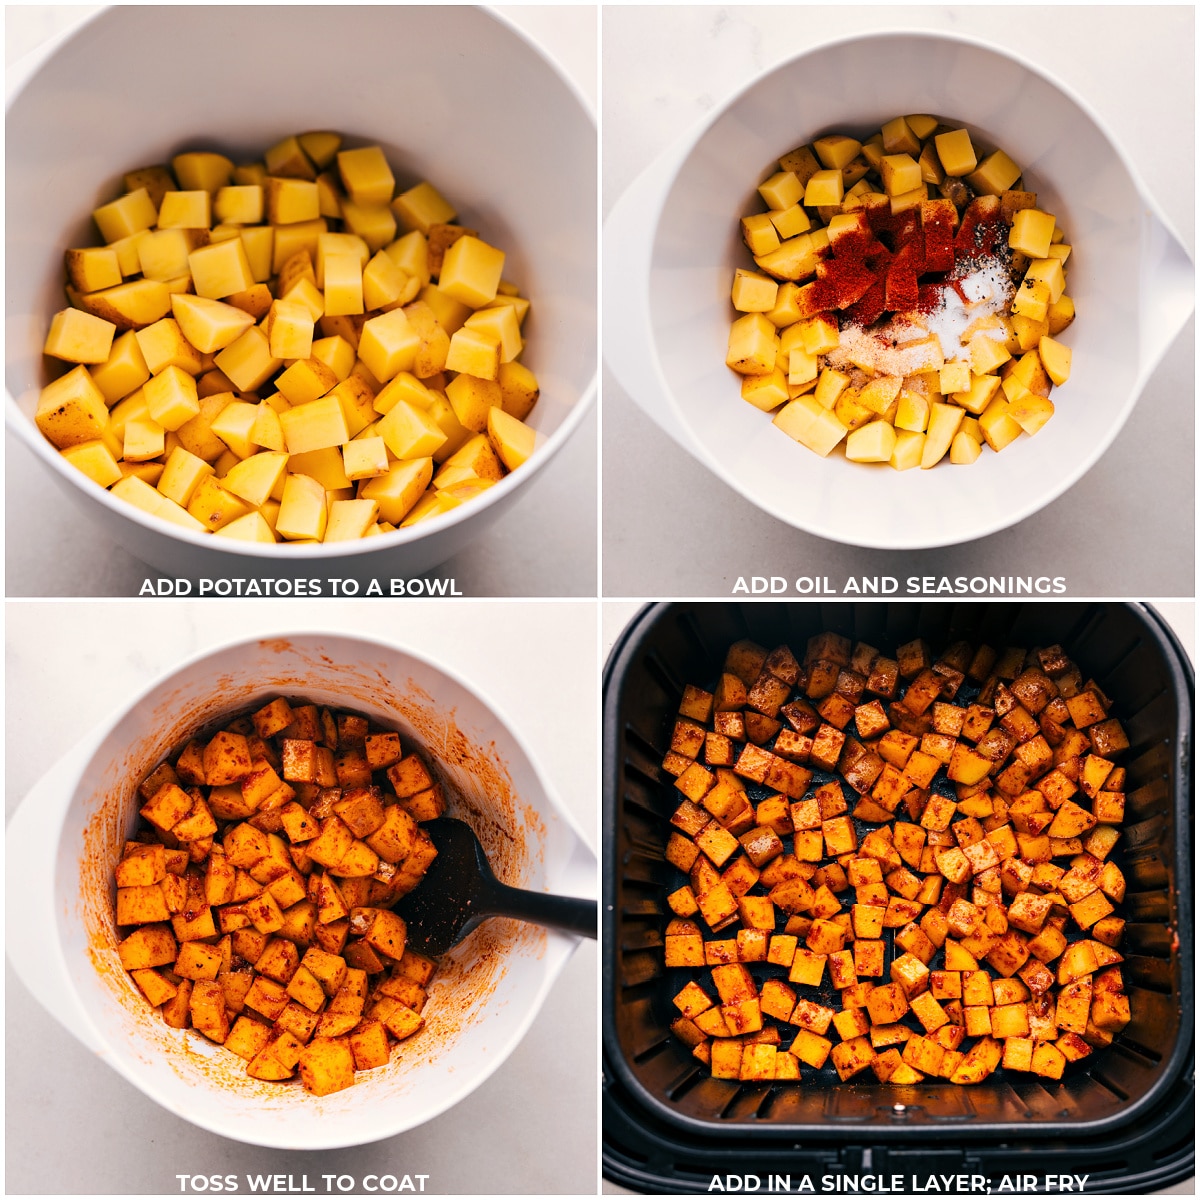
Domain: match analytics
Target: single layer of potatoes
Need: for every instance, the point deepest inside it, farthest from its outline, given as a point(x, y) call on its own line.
point(938, 903)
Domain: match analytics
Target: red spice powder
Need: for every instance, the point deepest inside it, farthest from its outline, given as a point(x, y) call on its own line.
point(878, 267)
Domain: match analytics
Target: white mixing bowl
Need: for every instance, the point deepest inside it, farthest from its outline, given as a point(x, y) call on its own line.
point(454, 94)
point(671, 246)
point(68, 832)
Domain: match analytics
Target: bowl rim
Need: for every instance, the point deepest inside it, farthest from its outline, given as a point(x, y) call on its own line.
point(681, 151)
point(284, 1131)
point(22, 74)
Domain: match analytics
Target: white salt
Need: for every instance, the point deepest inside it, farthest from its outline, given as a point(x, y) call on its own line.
point(989, 292)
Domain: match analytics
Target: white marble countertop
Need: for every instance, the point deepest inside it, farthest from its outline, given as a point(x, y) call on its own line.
point(545, 546)
point(531, 1128)
point(671, 528)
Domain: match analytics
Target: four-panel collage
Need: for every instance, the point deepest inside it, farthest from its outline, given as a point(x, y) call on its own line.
point(600, 600)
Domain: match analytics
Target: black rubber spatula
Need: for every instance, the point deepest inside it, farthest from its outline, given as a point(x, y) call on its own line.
point(459, 891)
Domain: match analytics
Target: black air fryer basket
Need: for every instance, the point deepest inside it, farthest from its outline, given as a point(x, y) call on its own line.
point(1123, 1116)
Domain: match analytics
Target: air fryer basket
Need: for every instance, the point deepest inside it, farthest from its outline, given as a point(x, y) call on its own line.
point(1138, 665)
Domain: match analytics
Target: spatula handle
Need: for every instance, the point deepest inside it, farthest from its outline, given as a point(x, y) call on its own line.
point(567, 913)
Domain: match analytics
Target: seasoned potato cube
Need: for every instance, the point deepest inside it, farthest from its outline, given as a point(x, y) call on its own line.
point(825, 937)
point(369, 1045)
point(726, 1058)
point(1009, 1020)
point(911, 974)
point(326, 1065)
point(168, 807)
point(743, 1017)
point(811, 1048)
point(146, 947)
point(197, 961)
point(758, 1062)
point(981, 1060)
point(1048, 1060)
point(684, 949)
point(1110, 1012)
point(248, 1038)
point(226, 759)
point(141, 866)
point(887, 1004)
point(207, 1010)
point(851, 1057)
point(929, 1012)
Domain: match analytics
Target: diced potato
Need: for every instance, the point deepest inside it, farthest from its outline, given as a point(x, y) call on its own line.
point(875, 442)
point(824, 188)
point(217, 283)
point(1031, 232)
point(955, 152)
point(1056, 358)
point(944, 420)
point(513, 440)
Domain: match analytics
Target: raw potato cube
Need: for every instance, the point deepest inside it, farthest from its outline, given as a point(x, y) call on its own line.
point(753, 345)
point(92, 269)
point(759, 234)
point(389, 344)
point(754, 293)
point(944, 421)
point(302, 511)
point(248, 361)
point(955, 152)
point(781, 190)
point(824, 188)
point(366, 176)
point(209, 325)
point(128, 215)
point(128, 305)
point(96, 461)
point(185, 210)
point(409, 432)
point(220, 269)
point(900, 173)
point(289, 330)
point(1056, 358)
point(471, 271)
point(124, 371)
point(71, 410)
point(365, 458)
point(518, 389)
point(79, 337)
point(1031, 232)
point(343, 286)
point(875, 442)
